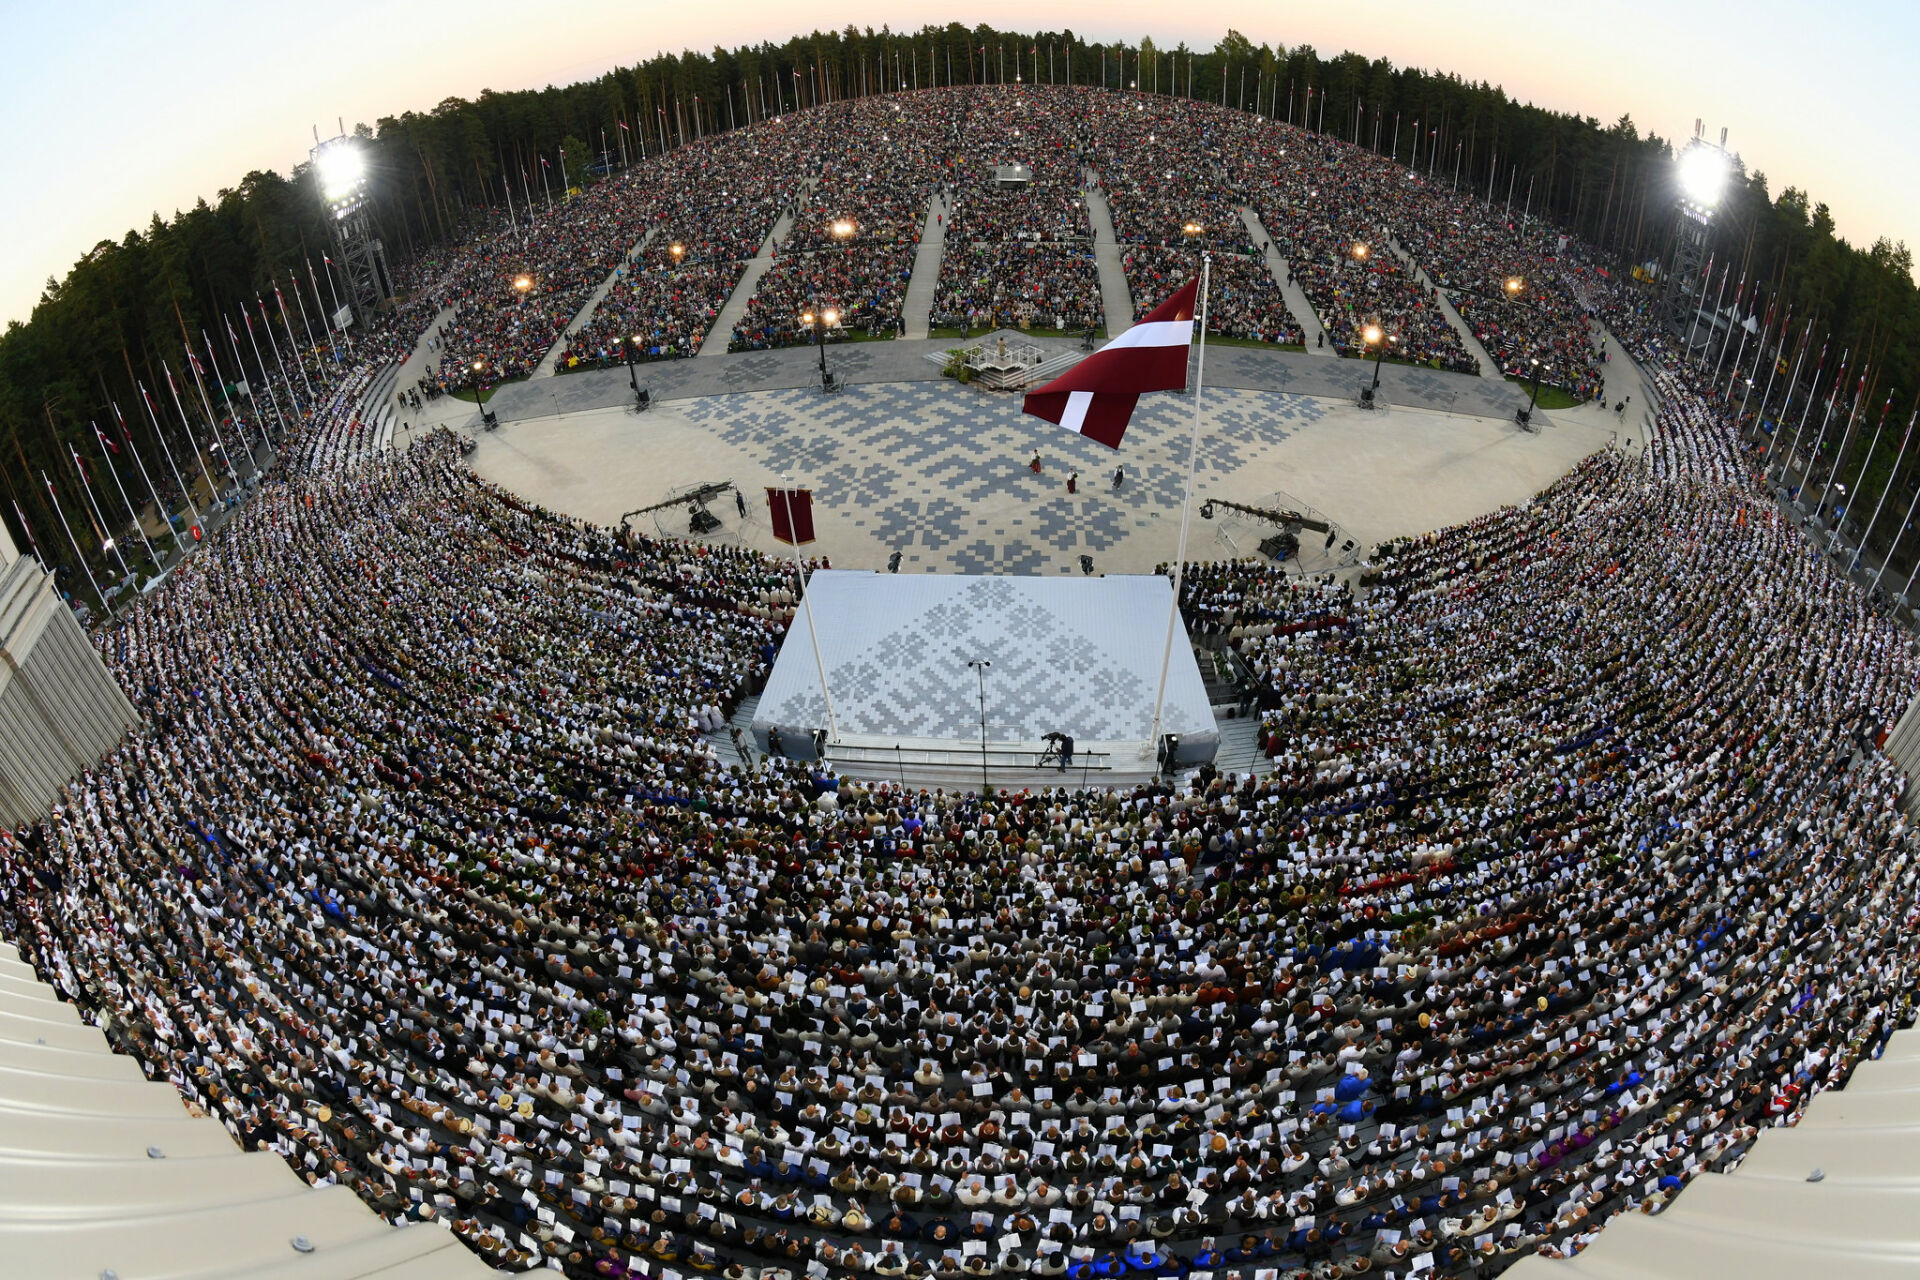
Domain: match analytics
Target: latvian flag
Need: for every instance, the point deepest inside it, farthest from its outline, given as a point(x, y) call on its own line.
point(1096, 396)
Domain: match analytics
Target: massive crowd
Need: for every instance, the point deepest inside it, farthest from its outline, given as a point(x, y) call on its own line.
point(1018, 255)
point(1574, 865)
point(1243, 300)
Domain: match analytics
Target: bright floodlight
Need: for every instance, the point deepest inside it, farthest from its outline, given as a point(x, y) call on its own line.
point(342, 169)
point(832, 317)
point(1703, 175)
point(1371, 334)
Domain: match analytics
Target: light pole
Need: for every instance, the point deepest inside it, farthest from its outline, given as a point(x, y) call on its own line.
point(1377, 338)
point(630, 346)
point(1525, 416)
point(821, 319)
point(479, 394)
point(980, 666)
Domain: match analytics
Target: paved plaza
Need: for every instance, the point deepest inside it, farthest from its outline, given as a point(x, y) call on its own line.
point(939, 471)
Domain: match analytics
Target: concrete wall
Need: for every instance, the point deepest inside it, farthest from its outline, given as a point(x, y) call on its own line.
point(60, 710)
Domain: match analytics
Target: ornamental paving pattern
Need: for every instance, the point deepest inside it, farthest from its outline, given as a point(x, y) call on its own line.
point(940, 472)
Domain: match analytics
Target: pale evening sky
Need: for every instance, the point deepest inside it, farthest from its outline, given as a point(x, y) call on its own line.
point(116, 110)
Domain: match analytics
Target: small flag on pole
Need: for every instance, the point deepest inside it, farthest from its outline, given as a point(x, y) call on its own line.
point(1096, 397)
point(792, 512)
point(104, 440)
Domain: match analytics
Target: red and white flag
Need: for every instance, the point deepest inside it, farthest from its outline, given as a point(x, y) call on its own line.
point(1096, 397)
point(105, 442)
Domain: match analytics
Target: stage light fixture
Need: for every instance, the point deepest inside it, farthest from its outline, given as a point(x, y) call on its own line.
point(343, 171)
point(1703, 175)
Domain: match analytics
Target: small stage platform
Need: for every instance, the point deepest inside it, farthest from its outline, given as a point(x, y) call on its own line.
point(1079, 656)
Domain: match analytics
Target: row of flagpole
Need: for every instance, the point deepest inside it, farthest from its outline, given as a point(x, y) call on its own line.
point(1775, 342)
point(273, 382)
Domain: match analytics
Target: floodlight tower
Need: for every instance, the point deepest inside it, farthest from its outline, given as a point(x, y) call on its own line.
point(1701, 174)
point(341, 165)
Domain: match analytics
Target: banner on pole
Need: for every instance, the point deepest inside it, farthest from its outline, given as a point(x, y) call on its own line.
point(792, 514)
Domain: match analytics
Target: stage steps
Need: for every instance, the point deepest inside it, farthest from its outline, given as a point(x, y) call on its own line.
point(1240, 746)
point(742, 720)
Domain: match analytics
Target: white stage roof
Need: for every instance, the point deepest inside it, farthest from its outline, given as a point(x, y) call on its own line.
point(1075, 655)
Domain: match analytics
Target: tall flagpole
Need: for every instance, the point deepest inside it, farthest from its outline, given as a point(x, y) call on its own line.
point(1773, 371)
point(287, 320)
point(1891, 477)
point(159, 507)
point(1840, 460)
point(200, 455)
point(206, 402)
point(171, 464)
point(1904, 522)
point(1806, 411)
point(1813, 456)
point(1705, 282)
point(107, 540)
point(213, 418)
point(320, 305)
point(1739, 294)
point(114, 471)
point(27, 529)
point(84, 566)
point(1793, 383)
point(306, 322)
point(239, 423)
point(1186, 510)
point(806, 606)
point(333, 287)
point(313, 403)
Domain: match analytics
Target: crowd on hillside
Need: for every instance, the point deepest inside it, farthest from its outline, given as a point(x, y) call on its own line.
point(1019, 257)
point(1573, 865)
point(986, 285)
point(864, 285)
point(655, 311)
point(516, 290)
point(1243, 299)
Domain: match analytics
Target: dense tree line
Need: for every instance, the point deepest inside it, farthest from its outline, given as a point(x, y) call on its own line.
point(122, 314)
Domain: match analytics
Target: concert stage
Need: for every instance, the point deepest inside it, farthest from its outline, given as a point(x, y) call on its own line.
point(1079, 656)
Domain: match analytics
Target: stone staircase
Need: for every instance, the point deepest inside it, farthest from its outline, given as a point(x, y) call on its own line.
point(1240, 746)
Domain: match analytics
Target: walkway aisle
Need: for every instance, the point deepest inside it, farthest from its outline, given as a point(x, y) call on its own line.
point(545, 369)
point(1302, 310)
point(921, 290)
point(419, 362)
point(722, 331)
point(1489, 368)
point(1115, 297)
